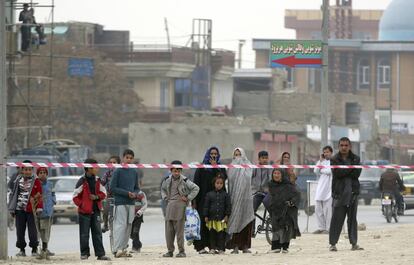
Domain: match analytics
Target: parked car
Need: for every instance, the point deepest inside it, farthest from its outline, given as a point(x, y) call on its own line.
point(408, 194)
point(63, 187)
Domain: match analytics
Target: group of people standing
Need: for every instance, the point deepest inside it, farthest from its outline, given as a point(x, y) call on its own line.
point(117, 195)
point(31, 203)
point(234, 212)
point(226, 201)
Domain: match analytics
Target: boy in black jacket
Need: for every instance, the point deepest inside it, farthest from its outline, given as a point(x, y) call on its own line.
point(217, 209)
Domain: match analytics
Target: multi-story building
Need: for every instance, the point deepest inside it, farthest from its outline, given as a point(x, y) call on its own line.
point(166, 78)
point(369, 74)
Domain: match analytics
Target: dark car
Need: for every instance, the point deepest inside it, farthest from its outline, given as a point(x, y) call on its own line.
point(369, 180)
point(369, 184)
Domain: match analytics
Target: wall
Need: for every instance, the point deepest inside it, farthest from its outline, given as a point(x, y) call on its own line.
point(149, 90)
point(159, 143)
point(251, 103)
point(406, 81)
point(302, 107)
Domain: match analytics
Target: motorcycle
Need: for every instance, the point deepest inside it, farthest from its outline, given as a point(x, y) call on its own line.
point(389, 207)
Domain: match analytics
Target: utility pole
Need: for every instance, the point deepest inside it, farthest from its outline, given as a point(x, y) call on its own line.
point(241, 43)
point(168, 33)
point(3, 134)
point(325, 74)
point(391, 141)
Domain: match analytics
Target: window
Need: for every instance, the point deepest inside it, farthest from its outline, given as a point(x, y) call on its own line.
point(363, 74)
point(400, 128)
point(164, 95)
point(384, 73)
point(352, 114)
point(182, 92)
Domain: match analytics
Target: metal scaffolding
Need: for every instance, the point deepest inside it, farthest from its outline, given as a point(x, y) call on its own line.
point(14, 55)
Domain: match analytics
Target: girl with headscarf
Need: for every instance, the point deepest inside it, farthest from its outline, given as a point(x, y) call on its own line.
point(203, 177)
point(242, 214)
point(284, 199)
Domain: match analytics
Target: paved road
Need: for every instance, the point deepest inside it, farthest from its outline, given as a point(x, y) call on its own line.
point(65, 236)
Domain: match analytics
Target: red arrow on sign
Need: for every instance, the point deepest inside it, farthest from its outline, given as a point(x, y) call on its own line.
point(292, 61)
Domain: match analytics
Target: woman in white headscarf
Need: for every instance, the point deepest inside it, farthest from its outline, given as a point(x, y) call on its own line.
point(242, 214)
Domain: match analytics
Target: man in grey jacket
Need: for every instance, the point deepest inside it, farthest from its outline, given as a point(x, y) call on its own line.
point(177, 191)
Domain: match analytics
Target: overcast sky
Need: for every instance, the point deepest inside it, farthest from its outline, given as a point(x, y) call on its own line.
point(232, 19)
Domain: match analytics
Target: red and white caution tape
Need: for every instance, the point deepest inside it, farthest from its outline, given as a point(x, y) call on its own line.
point(188, 166)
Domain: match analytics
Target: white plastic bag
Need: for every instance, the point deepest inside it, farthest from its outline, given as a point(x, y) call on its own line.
point(192, 225)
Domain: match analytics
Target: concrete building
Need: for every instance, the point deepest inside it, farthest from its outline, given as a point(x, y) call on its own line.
point(370, 73)
point(381, 68)
point(307, 23)
point(166, 78)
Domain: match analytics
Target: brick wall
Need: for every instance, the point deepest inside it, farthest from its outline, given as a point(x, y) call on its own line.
point(302, 107)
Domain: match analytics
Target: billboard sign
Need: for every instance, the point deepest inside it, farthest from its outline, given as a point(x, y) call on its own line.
point(296, 53)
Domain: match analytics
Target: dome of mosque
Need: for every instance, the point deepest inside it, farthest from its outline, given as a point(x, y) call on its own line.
point(397, 23)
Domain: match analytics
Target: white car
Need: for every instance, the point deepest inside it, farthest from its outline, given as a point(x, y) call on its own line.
point(63, 187)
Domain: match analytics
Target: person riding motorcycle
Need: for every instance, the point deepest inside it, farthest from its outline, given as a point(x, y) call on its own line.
point(391, 182)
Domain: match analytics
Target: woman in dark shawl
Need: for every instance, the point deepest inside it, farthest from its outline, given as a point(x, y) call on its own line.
point(203, 177)
point(284, 200)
